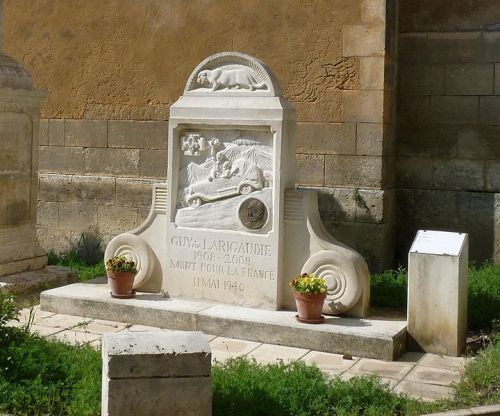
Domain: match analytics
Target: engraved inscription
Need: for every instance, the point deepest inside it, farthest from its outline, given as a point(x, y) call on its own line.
point(230, 262)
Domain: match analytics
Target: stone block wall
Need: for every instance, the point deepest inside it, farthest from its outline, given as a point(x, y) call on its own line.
point(448, 138)
point(113, 72)
point(96, 177)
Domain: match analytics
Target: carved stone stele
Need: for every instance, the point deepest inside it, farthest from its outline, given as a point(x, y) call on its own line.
point(232, 228)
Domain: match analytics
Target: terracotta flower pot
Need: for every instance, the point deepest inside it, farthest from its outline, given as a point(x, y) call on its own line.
point(309, 307)
point(121, 284)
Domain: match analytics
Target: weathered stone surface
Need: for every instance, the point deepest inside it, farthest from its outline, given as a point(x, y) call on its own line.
point(153, 163)
point(15, 136)
point(366, 238)
point(138, 83)
point(460, 174)
point(54, 187)
point(43, 136)
point(56, 132)
point(370, 140)
point(361, 40)
point(336, 204)
point(415, 172)
point(373, 11)
point(74, 188)
point(363, 106)
point(138, 134)
point(336, 138)
point(159, 354)
point(119, 162)
point(413, 48)
point(58, 159)
point(15, 201)
point(489, 110)
point(86, 133)
point(497, 79)
point(158, 397)
point(448, 15)
point(491, 46)
point(414, 110)
point(134, 192)
point(48, 214)
point(92, 189)
point(429, 140)
point(454, 47)
point(455, 109)
point(310, 170)
point(493, 175)
point(422, 79)
point(352, 171)
point(372, 73)
point(116, 219)
point(470, 79)
point(370, 205)
point(77, 216)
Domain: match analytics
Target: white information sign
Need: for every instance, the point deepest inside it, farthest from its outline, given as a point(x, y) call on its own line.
point(438, 242)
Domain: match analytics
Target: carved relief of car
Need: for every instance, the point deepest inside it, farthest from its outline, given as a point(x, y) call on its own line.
point(207, 191)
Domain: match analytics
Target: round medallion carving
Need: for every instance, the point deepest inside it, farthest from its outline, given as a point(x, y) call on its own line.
point(253, 213)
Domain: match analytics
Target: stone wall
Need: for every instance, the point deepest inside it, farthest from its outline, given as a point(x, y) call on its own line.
point(448, 138)
point(113, 71)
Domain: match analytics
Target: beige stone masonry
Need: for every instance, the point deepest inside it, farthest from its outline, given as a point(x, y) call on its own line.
point(119, 162)
point(310, 170)
point(361, 40)
point(56, 132)
point(352, 171)
point(332, 138)
point(86, 133)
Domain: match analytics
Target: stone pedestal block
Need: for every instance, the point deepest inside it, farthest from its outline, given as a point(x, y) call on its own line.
point(156, 374)
point(437, 291)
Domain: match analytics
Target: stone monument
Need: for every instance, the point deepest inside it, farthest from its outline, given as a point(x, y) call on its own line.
point(230, 226)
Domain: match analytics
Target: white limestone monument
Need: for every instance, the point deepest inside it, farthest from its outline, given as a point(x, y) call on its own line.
point(229, 225)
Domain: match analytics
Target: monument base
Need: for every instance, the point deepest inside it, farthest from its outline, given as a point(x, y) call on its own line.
point(380, 337)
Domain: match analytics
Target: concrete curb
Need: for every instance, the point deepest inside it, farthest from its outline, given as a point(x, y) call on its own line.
point(491, 410)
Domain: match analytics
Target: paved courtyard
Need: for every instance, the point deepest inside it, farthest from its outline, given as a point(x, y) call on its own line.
point(425, 376)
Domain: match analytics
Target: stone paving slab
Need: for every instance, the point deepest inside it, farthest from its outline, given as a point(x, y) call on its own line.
point(331, 364)
point(225, 348)
point(440, 361)
point(100, 327)
point(74, 337)
point(62, 321)
point(430, 375)
point(394, 370)
point(426, 392)
point(378, 337)
point(268, 353)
